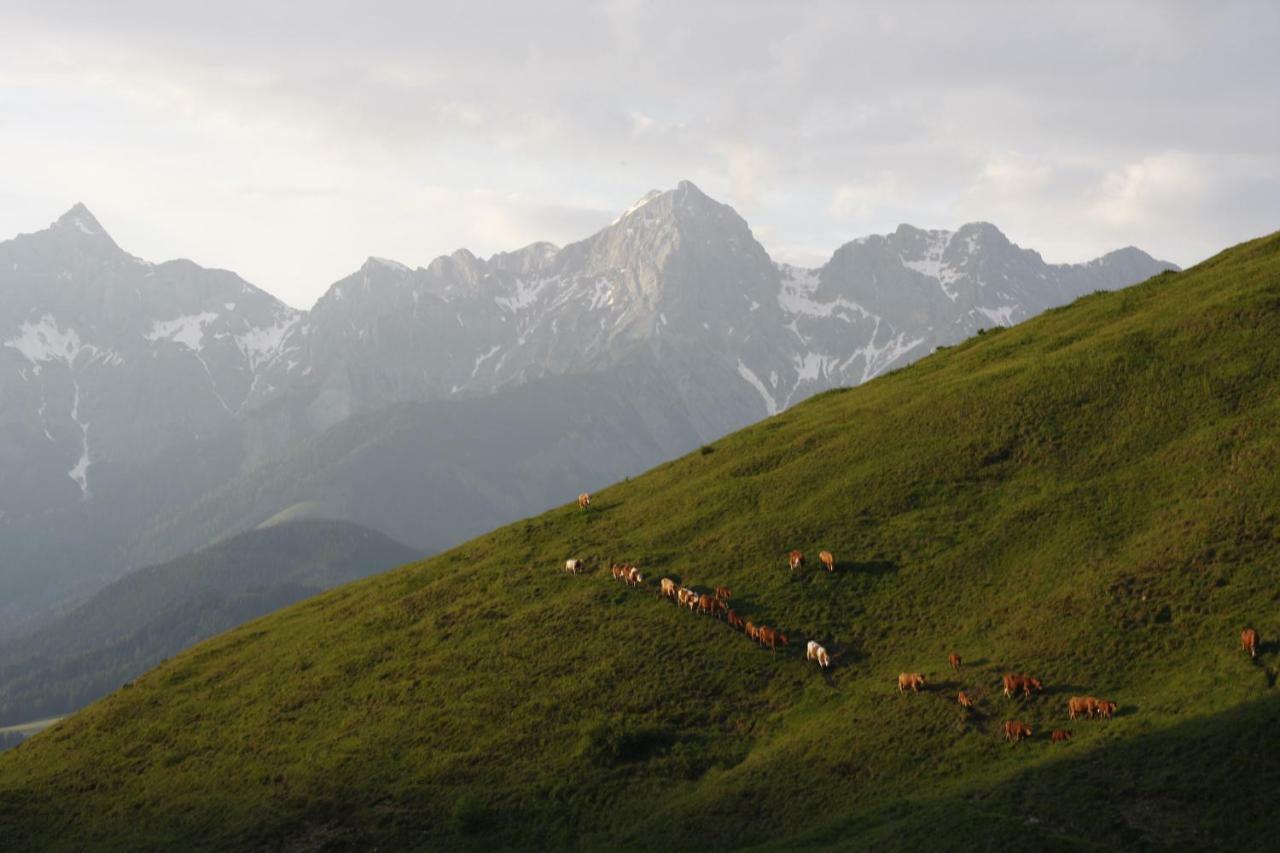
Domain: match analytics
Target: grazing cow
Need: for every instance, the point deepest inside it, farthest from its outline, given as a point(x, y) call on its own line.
point(1106, 709)
point(691, 600)
point(954, 660)
point(751, 631)
point(796, 561)
point(667, 587)
point(573, 566)
point(964, 700)
point(706, 604)
point(616, 571)
point(1015, 731)
point(1013, 682)
point(771, 637)
point(1249, 641)
point(1059, 736)
point(817, 653)
point(827, 560)
point(723, 593)
point(912, 681)
point(1081, 706)
point(735, 621)
point(634, 578)
point(584, 500)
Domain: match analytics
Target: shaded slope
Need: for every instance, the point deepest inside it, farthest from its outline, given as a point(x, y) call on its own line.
point(155, 612)
point(1086, 496)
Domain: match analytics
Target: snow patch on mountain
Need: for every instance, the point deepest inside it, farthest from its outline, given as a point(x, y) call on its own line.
point(187, 330)
point(80, 471)
point(46, 341)
point(770, 405)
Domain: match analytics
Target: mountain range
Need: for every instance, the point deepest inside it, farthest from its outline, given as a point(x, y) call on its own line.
point(150, 409)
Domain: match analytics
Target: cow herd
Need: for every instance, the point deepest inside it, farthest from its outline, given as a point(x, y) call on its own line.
point(716, 604)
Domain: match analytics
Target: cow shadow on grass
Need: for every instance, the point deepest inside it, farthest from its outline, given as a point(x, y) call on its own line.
point(866, 569)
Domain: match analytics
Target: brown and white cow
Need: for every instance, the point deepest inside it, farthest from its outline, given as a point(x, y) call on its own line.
point(573, 566)
point(796, 561)
point(818, 654)
point(633, 577)
point(1249, 641)
point(954, 660)
point(912, 681)
point(827, 560)
point(584, 500)
point(1015, 731)
point(1059, 736)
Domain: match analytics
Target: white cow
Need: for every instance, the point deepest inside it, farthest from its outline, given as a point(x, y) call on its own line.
point(573, 566)
point(815, 652)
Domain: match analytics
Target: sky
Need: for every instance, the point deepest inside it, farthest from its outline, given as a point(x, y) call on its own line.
point(289, 141)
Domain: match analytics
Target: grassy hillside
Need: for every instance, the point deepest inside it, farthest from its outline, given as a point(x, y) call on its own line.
point(1090, 497)
point(155, 612)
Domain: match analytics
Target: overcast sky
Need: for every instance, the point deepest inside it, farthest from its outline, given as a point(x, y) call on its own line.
point(289, 141)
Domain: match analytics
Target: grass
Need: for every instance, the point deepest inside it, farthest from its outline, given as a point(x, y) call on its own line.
point(1090, 497)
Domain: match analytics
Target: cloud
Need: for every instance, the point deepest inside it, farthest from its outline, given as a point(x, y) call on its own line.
point(236, 132)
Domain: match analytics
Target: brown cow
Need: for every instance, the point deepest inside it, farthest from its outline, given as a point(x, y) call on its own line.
point(618, 571)
point(1013, 682)
point(954, 660)
point(723, 593)
point(826, 558)
point(1015, 731)
point(1106, 709)
point(584, 500)
point(772, 637)
point(735, 621)
point(1060, 736)
point(709, 604)
point(751, 630)
point(912, 681)
point(1249, 641)
point(964, 700)
point(796, 561)
point(1081, 706)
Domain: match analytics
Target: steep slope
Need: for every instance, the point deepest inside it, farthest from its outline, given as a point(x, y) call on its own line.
point(155, 612)
point(1086, 497)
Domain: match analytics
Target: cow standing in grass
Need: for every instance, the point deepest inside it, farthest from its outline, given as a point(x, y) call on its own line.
point(1015, 731)
point(771, 637)
point(1249, 642)
point(964, 700)
point(723, 593)
point(796, 561)
point(573, 566)
point(1059, 736)
point(827, 560)
point(912, 681)
point(667, 587)
point(818, 654)
point(735, 621)
point(584, 500)
point(953, 660)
